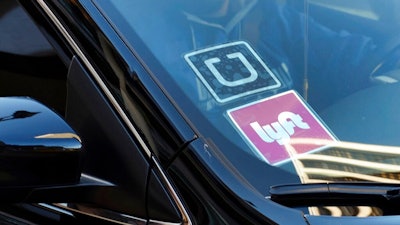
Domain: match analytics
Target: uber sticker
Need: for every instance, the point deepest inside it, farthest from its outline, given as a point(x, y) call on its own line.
point(271, 124)
point(231, 71)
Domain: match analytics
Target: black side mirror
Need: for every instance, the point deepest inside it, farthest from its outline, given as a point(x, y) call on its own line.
point(37, 147)
point(40, 160)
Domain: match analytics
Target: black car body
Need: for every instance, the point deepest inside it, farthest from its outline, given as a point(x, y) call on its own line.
point(161, 148)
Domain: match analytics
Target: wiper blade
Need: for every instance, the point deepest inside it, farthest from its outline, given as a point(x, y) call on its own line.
point(335, 194)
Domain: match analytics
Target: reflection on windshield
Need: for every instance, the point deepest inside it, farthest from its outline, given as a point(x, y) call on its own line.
point(321, 61)
point(346, 161)
point(255, 75)
point(359, 211)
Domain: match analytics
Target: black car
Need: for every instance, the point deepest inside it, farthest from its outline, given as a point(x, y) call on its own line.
point(199, 112)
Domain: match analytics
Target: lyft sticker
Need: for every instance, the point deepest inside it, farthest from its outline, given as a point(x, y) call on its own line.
point(272, 125)
point(232, 70)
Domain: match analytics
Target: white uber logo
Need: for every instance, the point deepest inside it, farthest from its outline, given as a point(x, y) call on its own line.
point(253, 73)
point(282, 130)
point(232, 70)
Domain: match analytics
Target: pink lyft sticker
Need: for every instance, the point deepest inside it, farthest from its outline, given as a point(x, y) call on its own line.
point(270, 126)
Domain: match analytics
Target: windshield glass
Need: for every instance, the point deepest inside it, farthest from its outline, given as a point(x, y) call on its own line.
point(304, 87)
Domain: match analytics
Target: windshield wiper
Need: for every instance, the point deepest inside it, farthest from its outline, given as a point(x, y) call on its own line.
point(350, 193)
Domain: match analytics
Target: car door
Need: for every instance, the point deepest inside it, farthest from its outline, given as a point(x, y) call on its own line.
point(111, 104)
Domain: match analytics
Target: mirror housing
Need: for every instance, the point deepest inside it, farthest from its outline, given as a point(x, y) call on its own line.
point(37, 147)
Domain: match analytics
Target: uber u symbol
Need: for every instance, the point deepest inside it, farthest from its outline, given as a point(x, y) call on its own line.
point(253, 73)
point(232, 70)
point(281, 130)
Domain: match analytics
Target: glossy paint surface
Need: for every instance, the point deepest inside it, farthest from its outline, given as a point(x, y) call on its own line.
point(37, 147)
point(25, 122)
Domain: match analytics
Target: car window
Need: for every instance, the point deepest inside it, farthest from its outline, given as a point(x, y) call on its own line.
point(306, 87)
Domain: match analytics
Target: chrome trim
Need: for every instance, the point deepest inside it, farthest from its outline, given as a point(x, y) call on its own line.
point(56, 209)
point(104, 214)
point(12, 219)
point(96, 179)
point(107, 92)
point(96, 76)
point(155, 222)
point(186, 218)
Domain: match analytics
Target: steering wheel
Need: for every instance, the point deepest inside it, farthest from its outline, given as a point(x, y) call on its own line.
point(386, 62)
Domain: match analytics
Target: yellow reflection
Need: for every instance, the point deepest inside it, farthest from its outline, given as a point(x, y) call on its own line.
point(345, 161)
point(59, 136)
point(358, 211)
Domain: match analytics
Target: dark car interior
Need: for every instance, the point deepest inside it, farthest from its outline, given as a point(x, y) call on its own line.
point(29, 65)
point(359, 119)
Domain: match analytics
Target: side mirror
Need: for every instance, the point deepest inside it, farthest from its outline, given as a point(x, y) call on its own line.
point(37, 147)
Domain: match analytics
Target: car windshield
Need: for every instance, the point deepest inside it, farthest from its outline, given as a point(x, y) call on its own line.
point(306, 88)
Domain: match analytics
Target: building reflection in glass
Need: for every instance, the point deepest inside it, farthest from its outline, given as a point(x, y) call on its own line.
point(346, 161)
